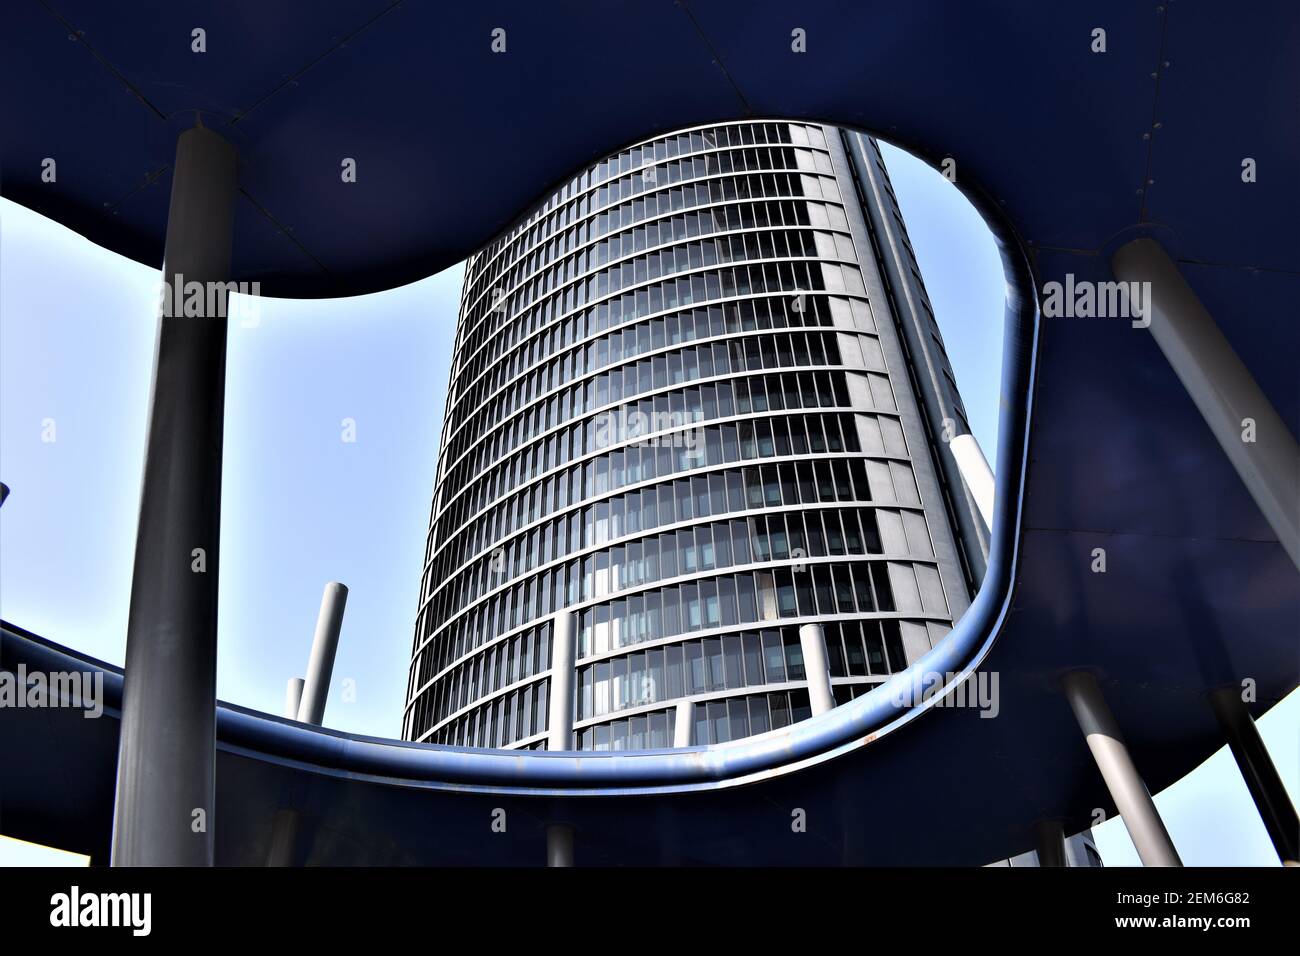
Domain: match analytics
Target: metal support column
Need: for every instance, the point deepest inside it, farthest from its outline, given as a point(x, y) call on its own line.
point(305, 700)
point(293, 697)
point(1221, 386)
point(683, 723)
point(1049, 843)
point(977, 474)
point(1262, 779)
point(816, 670)
point(164, 807)
point(324, 646)
point(1130, 794)
point(559, 733)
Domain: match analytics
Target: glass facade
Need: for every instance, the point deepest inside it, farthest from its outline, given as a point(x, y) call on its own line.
point(673, 412)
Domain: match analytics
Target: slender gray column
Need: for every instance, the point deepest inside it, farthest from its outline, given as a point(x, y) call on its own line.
point(1049, 842)
point(813, 642)
point(308, 705)
point(305, 700)
point(977, 474)
point(559, 845)
point(683, 723)
point(1262, 779)
point(325, 644)
point(164, 807)
point(1222, 388)
point(284, 827)
point(293, 697)
point(559, 734)
point(1130, 794)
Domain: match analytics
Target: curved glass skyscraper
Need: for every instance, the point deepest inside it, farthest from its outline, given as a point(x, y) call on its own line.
point(691, 474)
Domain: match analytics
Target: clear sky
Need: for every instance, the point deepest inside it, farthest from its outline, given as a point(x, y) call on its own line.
point(301, 506)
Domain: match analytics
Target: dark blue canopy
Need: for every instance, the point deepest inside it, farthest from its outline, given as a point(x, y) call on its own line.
point(1069, 153)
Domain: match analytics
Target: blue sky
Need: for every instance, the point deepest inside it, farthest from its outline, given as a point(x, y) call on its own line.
point(302, 507)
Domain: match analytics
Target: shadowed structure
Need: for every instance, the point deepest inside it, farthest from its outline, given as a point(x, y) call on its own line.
point(1069, 154)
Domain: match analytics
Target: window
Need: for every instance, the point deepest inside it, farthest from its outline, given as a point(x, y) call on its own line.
point(773, 657)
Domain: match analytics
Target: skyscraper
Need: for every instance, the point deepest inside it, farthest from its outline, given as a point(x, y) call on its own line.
point(692, 468)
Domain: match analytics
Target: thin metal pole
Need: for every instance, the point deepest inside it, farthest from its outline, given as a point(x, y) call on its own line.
point(164, 806)
point(1276, 810)
point(324, 646)
point(559, 733)
point(683, 723)
point(1130, 794)
point(1049, 843)
point(293, 697)
point(1222, 387)
point(305, 700)
point(813, 642)
point(284, 827)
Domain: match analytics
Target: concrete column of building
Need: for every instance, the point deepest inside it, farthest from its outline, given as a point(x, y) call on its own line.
point(304, 701)
point(1130, 794)
point(683, 723)
point(1218, 382)
point(284, 827)
point(324, 647)
point(1262, 779)
point(164, 805)
point(293, 697)
point(559, 844)
point(559, 729)
point(1049, 843)
point(559, 732)
point(975, 471)
point(812, 640)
